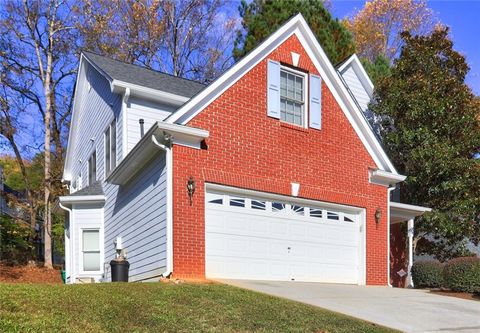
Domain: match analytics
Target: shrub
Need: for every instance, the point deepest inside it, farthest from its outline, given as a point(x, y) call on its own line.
point(463, 274)
point(427, 274)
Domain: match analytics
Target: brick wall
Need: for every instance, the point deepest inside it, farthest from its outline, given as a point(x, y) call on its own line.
point(248, 149)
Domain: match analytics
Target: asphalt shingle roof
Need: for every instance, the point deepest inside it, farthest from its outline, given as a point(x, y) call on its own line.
point(145, 77)
point(93, 189)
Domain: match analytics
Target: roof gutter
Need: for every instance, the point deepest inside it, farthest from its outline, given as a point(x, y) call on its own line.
point(385, 178)
point(120, 87)
point(70, 199)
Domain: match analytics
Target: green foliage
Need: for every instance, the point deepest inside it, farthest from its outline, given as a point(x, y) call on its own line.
point(463, 274)
point(262, 18)
point(427, 274)
point(160, 307)
point(14, 240)
point(378, 70)
point(431, 130)
point(58, 236)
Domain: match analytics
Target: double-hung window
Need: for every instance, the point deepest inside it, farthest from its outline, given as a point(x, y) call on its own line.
point(292, 97)
point(110, 148)
point(92, 168)
point(91, 250)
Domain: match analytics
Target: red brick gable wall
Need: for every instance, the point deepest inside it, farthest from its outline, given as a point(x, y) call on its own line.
point(248, 149)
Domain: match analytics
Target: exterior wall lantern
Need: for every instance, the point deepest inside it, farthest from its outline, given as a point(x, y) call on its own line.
point(378, 215)
point(191, 188)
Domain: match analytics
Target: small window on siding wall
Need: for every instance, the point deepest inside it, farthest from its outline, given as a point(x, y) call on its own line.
point(92, 168)
point(91, 250)
point(110, 148)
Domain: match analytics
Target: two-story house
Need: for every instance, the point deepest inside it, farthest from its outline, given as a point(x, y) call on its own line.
point(271, 172)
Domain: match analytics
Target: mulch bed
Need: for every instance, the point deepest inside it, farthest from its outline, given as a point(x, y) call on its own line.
point(470, 296)
point(28, 274)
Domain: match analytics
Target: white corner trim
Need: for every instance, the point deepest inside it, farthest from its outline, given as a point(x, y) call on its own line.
point(384, 178)
point(295, 58)
point(169, 231)
point(389, 191)
point(82, 199)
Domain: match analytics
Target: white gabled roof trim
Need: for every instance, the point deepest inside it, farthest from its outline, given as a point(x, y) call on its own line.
point(385, 178)
point(116, 86)
point(359, 70)
point(145, 148)
point(298, 26)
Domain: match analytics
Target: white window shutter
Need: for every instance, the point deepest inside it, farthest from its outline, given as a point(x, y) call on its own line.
point(273, 89)
point(315, 101)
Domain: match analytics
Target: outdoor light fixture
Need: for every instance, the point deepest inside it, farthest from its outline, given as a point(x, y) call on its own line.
point(378, 215)
point(191, 188)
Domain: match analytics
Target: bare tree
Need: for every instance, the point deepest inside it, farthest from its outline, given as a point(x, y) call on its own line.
point(189, 39)
point(38, 44)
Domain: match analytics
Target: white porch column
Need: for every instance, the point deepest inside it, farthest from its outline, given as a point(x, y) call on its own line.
point(410, 252)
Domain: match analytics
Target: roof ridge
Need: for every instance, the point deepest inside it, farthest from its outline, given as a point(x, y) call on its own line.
point(142, 67)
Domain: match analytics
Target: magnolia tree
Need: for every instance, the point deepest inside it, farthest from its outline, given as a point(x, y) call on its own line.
point(431, 130)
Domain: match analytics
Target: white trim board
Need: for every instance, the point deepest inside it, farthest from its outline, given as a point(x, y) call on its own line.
point(298, 26)
point(359, 70)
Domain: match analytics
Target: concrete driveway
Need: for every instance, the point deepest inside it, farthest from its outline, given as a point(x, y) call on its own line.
point(403, 309)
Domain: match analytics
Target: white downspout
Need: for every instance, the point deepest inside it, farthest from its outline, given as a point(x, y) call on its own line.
point(389, 191)
point(169, 160)
point(410, 231)
point(71, 243)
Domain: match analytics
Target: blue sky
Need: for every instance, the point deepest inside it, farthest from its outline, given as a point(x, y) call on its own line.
point(463, 18)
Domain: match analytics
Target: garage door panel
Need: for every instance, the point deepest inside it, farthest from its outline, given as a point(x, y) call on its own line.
point(246, 268)
point(247, 243)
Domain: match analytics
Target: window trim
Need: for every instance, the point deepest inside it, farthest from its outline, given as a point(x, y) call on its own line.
point(306, 95)
point(108, 150)
point(90, 180)
point(82, 268)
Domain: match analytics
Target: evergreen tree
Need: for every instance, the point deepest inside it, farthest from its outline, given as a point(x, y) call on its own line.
point(377, 70)
point(262, 18)
point(432, 134)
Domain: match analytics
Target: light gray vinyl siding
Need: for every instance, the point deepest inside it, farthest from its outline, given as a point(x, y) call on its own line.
point(149, 111)
point(98, 107)
point(356, 87)
point(137, 213)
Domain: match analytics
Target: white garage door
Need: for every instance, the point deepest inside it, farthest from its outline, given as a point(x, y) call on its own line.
point(256, 238)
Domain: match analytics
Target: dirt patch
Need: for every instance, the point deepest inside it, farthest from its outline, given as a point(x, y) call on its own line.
point(28, 274)
point(469, 296)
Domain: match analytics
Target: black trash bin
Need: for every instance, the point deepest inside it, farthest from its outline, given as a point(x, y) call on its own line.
point(119, 270)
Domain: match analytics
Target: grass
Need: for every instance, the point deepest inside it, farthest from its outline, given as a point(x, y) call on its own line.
point(159, 307)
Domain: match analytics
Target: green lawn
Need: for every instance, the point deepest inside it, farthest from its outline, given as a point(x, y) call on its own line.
point(158, 307)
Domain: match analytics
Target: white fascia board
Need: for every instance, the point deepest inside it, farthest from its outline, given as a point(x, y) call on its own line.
point(401, 212)
point(67, 176)
point(344, 99)
point(385, 178)
point(82, 199)
point(360, 71)
point(297, 25)
point(149, 93)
